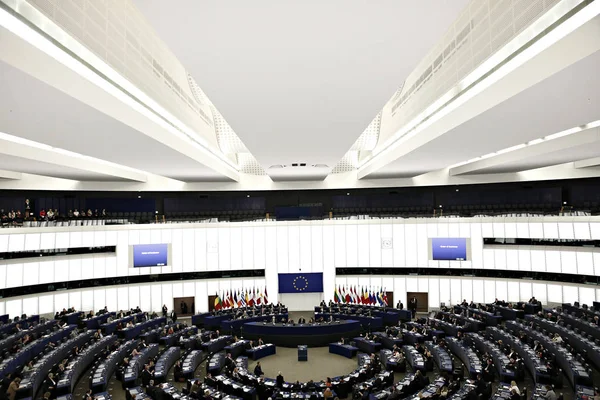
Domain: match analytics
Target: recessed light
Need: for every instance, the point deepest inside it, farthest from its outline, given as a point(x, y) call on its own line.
point(440, 206)
point(347, 194)
point(139, 197)
point(247, 195)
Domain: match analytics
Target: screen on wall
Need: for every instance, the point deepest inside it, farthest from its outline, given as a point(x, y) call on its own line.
point(453, 249)
point(150, 255)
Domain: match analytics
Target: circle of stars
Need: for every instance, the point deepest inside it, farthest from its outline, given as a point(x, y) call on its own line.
point(305, 285)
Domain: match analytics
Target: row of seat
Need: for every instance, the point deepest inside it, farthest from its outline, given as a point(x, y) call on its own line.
point(104, 368)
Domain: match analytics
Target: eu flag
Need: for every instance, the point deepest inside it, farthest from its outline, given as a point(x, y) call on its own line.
point(301, 283)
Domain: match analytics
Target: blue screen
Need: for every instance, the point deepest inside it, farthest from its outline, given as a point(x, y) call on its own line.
point(449, 249)
point(150, 255)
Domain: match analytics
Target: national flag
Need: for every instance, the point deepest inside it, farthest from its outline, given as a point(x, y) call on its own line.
point(336, 295)
point(251, 299)
point(385, 299)
point(379, 299)
point(266, 297)
point(242, 298)
point(346, 295)
point(366, 297)
point(218, 304)
point(258, 298)
point(247, 300)
point(231, 301)
point(371, 300)
point(235, 299)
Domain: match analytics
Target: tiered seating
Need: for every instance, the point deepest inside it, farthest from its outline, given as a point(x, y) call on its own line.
point(153, 335)
point(136, 364)
point(216, 363)
point(137, 329)
point(441, 357)
point(37, 330)
point(217, 344)
point(79, 364)
point(414, 358)
point(501, 361)
point(575, 371)
point(10, 363)
point(164, 363)
point(111, 327)
point(191, 362)
point(173, 338)
point(97, 320)
point(11, 327)
point(104, 369)
point(33, 380)
point(535, 366)
point(392, 362)
point(467, 356)
point(583, 343)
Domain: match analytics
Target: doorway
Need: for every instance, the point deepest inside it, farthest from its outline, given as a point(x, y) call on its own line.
point(422, 300)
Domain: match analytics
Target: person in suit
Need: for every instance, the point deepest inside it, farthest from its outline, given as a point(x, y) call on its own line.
point(260, 342)
point(480, 385)
point(412, 306)
point(258, 369)
point(400, 306)
point(146, 375)
point(50, 385)
point(279, 380)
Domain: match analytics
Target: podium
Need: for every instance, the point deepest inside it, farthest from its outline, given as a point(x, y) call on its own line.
point(303, 353)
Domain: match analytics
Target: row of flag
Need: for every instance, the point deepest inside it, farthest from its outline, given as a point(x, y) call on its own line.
point(241, 298)
point(366, 296)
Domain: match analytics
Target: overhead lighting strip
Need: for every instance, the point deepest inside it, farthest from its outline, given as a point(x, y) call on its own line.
point(79, 59)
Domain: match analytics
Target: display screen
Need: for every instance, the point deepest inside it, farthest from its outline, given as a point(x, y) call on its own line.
point(449, 249)
point(150, 255)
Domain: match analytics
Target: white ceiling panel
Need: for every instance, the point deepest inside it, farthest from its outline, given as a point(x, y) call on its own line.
point(567, 99)
point(36, 111)
point(18, 164)
point(299, 81)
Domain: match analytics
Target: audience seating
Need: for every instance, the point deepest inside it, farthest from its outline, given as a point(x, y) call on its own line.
point(191, 362)
point(166, 360)
point(136, 364)
point(104, 369)
point(467, 356)
point(501, 361)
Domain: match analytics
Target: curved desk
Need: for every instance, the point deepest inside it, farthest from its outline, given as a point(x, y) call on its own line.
point(309, 334)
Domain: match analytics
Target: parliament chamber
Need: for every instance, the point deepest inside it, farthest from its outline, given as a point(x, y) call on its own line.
point(300, 199)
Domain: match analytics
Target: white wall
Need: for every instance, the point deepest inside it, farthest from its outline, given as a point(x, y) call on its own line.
point(480, 290)
point(123, 297)
point(287, 247)
point(301, 301)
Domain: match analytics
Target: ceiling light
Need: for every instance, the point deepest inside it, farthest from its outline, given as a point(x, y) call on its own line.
point(139, 197)
point(148, 107)
point(247, 195)
point(347, 194)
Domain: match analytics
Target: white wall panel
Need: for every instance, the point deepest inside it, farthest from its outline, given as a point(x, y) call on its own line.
point(14, 307)
point(432, 230)
point(201, 302)
point(553, 261)
point(188, 250)
point(442, 229)
point(156, 298)
point(453, 229)
point(423, 284)
point(464, 230)
point(32, 241)
point(455, 291)
point(46, 304)
point(565, 230)
point(499, 230)
point(595, 230)
point(479, 291)
point(539, 291)
point(555, 293)
point(87, 301)
point(14, 275)
point(525, 291)
point(522, 230)
point(339, 236)
point(434, 293)
point(570, 294)
point(513, 291)
point(551, 230)
point(445, 291)
point(400, 291)
point(259, 247)
point(501, 290)
point(512, 259)
point(587, 295)
point(134, 296)
point(316, 237)
point(489, 290)
point(525, 259)
point(87, 239)
point(500, 258)
point(352, 248)
point(487, 229)
point(585, 263)
point(16, 242)
point(568, 262)
point(176, 250)
point(122, 298)
point(282, 250)
point(538, 260)
point(510, 230)
point(200, 249)
point(305, 263)
point(294, 248)
point(87, 268)
point(62, 240)
point(271, 258)
point(581, 230)
point(422, 246)
point(99, 298)
point(111, 298)
point(466, 288)
point(61, 271)
point(476, 246)
point(167, 295)
point(111, 266)
point(99, 267)
point(410, 235)
point(225, 249)
point(145, 297)
point(362, 246)
point(30, 306)
point(375, 246)
point(31, 274)
point(387, 255)
point(536, 230)
point(4, 243)
point(399, 245)
point(75, 299)
point(489, 258)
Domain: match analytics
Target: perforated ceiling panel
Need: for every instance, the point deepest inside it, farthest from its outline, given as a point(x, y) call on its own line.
point(481, 30)
point(248, 164)
point(116, 32)
point(365, 142)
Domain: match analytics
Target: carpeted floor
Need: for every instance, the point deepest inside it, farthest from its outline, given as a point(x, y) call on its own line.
point(319, 366)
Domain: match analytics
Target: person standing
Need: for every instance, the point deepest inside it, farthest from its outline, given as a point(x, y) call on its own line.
point(164, 310)
point(412, 305)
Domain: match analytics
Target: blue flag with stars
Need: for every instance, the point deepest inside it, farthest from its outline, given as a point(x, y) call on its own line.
point(301, 283)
